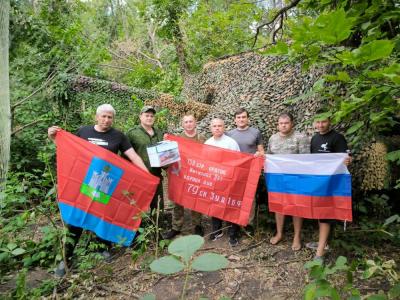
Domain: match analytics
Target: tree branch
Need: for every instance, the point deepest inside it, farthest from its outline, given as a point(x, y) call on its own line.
point(15, 131)
point(48, 80)
point(116, 67)
point(281, 12)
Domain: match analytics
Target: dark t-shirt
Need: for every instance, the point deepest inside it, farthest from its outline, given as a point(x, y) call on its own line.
point(331, 142)
point(113, 139)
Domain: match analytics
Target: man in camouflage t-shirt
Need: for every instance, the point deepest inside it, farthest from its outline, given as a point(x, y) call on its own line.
point(189, 132)
point(287, 141)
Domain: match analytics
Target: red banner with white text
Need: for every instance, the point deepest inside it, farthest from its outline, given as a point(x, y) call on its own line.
point(214, 181)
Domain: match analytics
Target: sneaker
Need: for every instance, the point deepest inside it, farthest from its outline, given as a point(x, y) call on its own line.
point(233, 241)
point(314, 246)
point(319, 258)
point(199, 230)
point(106, 256)
point(216, 236)
point(171, 234)
point(60, 270)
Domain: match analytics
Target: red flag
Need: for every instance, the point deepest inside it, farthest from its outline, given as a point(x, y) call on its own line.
point(214, 181)
point(93, 184)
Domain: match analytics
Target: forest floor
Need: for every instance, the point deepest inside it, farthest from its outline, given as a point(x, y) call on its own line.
point(256, 270)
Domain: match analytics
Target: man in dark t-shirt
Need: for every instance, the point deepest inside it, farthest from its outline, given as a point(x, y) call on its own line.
point(326, 140)
point(103, 135)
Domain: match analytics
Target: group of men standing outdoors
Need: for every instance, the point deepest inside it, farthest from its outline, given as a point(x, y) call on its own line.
point(243, 138)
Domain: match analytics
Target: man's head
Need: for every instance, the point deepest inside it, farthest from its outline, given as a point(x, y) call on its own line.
point(147, 116)
point(285, 123)
point(105, 114)
point(189, 123)
point(241, 118)
point(323, 125)
point(217, 127)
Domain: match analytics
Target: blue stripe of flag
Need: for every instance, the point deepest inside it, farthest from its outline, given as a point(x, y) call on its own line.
point(107, 231)
point(313, 185)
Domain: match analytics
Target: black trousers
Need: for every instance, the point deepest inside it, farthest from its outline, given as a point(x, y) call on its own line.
point(233, 229)
point(75, 234)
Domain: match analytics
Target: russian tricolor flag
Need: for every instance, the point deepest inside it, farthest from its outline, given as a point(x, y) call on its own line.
point(314, 186)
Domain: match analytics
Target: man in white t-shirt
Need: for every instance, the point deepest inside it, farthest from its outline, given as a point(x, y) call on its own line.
point(219, 139)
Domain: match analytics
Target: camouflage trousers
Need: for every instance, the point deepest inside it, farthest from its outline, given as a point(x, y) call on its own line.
point(178, 216)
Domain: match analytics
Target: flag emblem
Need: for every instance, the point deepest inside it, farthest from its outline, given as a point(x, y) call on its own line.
point(101, 180)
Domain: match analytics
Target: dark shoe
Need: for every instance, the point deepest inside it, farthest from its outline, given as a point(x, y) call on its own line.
point(171, 234)
point(60, 270)
point(249, 230)
point(233, 241)
point(199, 230)
point(216, 236)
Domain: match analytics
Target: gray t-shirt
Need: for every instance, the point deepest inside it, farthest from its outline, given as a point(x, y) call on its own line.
point(247, 139)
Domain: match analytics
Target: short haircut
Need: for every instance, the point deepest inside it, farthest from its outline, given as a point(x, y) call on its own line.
point(105, 108)
point(217, 119)
point(240, 111)
point(189, 115)
point(286, 115)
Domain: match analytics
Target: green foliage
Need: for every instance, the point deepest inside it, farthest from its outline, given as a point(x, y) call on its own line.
point(357, 43)
point(182, 251)
point(216, 29)
point(322, 277)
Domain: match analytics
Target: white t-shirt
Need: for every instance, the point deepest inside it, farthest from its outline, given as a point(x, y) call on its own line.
point(223, 142)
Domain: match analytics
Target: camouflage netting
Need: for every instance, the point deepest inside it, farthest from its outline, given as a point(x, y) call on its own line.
point(261, 84)
point(88, 93)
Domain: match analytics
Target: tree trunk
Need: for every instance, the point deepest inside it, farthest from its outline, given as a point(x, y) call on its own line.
point(5, 114)
point(180, 50)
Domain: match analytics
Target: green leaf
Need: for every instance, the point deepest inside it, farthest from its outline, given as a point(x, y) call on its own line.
point(4, 256)
point(394, 292)
point(377, 297)
point(369, 272)
point(343, 76)
point(209, 262)
point(186, 246)
point(18, 251)
point(341, 261)
point(333, 27)
point(377, 49)
point(310, 290)
point(148, 297)
point(355, 127)
point(394, 218)
point(167, 265)
point(51, 192)
point(394, 156)
point(11, 246)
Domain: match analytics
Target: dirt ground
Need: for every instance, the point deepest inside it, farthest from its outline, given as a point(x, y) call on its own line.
point(256, 270)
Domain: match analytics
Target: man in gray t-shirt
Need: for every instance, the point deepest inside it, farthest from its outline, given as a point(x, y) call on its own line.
point(250, 141)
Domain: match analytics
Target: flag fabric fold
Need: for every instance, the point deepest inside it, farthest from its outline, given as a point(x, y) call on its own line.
point(100, 191)
point(315, 186)
point(214, 181)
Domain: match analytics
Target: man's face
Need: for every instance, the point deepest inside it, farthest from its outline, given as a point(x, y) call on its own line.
point(147, 119)
point(189, 123)
point(242, 120)
point(104, 120)
point(285, 126)
point(217, 128)
point(323, 126)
